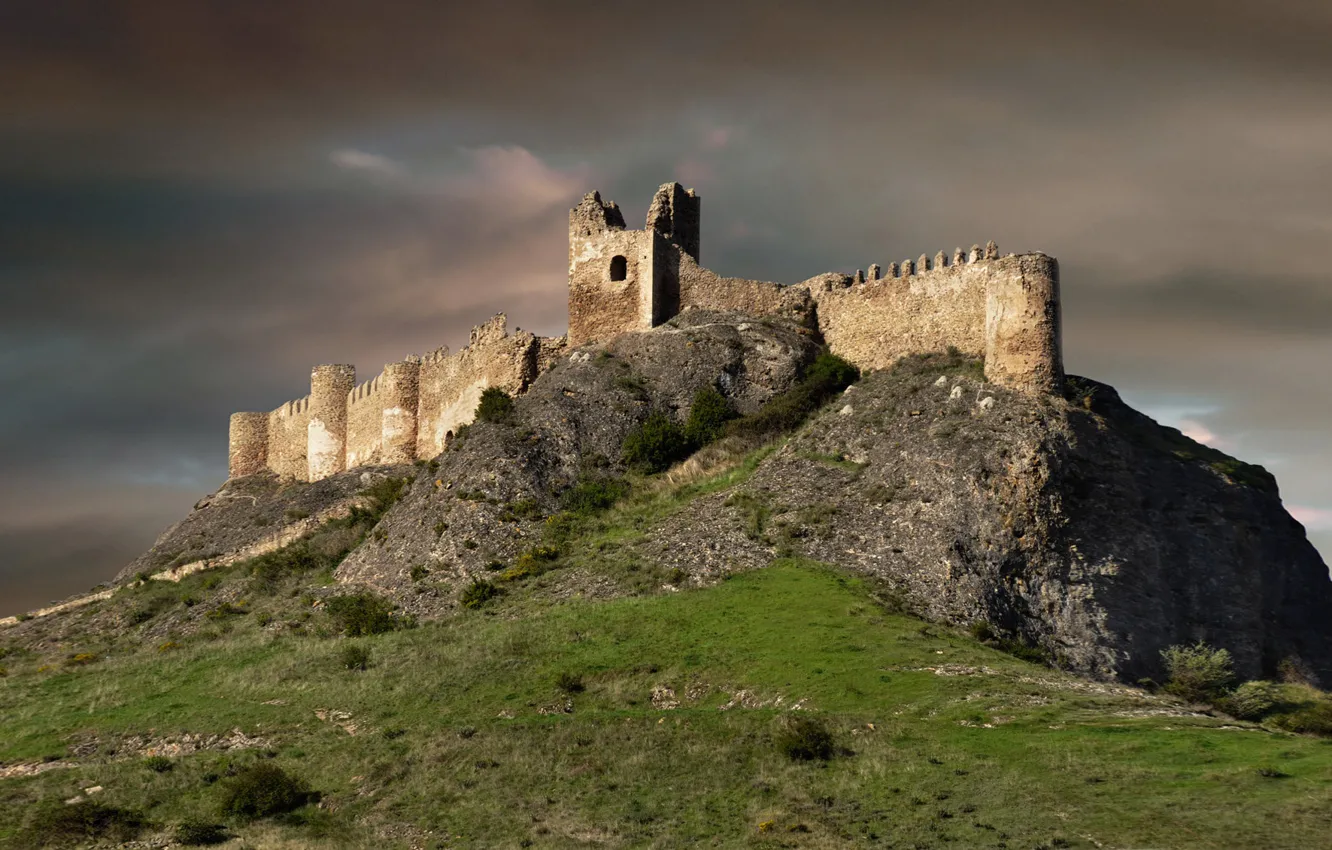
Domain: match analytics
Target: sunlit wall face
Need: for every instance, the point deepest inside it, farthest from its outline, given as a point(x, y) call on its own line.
point(198, 202)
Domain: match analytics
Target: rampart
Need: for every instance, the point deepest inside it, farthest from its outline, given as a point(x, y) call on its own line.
point(1005, 309)
point(410, 410)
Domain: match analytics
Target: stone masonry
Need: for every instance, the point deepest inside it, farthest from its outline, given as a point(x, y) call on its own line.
point(1005, 309)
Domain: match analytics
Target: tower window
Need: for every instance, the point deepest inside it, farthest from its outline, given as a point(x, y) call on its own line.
point(619, 268)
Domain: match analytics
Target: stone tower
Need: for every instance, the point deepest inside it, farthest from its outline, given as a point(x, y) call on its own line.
point(327, 447)
point(622, 280)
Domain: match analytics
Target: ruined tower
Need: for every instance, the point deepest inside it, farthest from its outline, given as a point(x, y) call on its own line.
point(327, 445)
point(248, 444)
point(622, 280)
point(398, 421)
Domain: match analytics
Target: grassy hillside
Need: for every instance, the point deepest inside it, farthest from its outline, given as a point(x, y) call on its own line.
point(657, 721)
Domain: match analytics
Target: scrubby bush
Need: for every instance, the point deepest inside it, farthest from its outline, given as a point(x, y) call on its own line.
point(354, 657)
point(478, 593)
point(360, 614)
point(708, 416)
point(158, 764)
point(533, 562)
point(496, 405)
point(570, 683)
point(1199, 672)
point(827, 376)
point(419, 572)
point(1296, 671)
point(1253, 700)
point(1313, 717)
point(263, 790)
point(804, 738)
point(591, 496)
point(55, 824)
point(655, 444)
point(195, 833)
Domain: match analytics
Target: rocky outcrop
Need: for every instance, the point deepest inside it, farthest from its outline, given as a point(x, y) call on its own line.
point(483, 500)
point(1078, 526)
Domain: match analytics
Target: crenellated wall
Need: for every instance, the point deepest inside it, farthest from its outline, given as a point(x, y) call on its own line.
point(288, 436)
point(1005, 309)
point(408, 411)
point(451, 384)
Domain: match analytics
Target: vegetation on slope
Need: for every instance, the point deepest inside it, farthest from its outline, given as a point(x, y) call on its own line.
point(466, 732)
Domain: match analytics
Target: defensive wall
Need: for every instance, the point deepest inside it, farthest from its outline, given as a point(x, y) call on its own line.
point(410, 410)
point(1003, 308)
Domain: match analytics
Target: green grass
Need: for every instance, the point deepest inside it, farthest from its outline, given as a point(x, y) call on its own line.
point(461, 730)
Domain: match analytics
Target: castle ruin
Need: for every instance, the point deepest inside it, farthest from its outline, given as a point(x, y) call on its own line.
point(1004, 309)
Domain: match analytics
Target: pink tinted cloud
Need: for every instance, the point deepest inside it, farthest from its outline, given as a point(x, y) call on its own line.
point(1314, 519)
point(717, 138)
point(1196, 430)
point(692, 172)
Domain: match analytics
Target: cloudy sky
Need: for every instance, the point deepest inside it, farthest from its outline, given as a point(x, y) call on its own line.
point(199, 200)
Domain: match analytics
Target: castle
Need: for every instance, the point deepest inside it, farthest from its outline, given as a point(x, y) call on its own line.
point(1005, 309)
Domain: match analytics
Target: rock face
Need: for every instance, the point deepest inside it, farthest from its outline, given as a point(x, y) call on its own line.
point(482, 501)
point(249, 510)
point(1079, 526)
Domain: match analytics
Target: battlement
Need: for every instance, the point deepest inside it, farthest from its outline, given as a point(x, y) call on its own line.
point(1004, 309)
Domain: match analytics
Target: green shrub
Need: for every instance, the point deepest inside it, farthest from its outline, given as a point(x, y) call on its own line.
point(382, 495)
point(158, 764)
point(263, 790)
point(226, 611)
point(533, 562)
point(804, 738)
point(1253, 700)
point(360, 614)
point(591, 496)
point(478, 593)
point(827, 376)
point(139, 616)
point(354, 657)
point(983, 631)
point(56, 824)
point(655, 444)
point(521, 509)
point(708, 416)
point(419, 572)
point(570, 683)
point(1199, 672)
point(195, 833)
point(496, 405)
point(1311, 718)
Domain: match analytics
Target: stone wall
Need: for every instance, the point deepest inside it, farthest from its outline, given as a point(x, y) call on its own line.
point(704, 289)
point(365, 412)
point(288, 436)
point(409, 411)
point(451, 384)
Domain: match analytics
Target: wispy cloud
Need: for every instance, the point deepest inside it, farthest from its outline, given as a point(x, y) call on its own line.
point(355, 160)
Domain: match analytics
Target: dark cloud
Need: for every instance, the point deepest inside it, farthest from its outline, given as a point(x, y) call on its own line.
point(200, 200)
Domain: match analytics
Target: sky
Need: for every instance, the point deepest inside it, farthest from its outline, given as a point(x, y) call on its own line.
point(200, 200)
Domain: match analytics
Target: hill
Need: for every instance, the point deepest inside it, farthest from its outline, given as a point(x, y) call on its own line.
point(701, 584)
